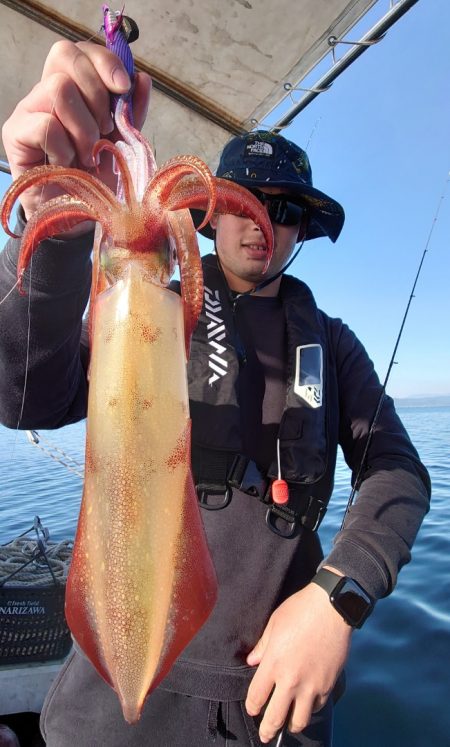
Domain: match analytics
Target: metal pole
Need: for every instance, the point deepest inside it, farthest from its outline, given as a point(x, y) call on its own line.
point(5, 167)
point(373, 35)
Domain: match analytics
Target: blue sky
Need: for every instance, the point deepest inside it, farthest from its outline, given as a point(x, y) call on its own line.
point(379, 142)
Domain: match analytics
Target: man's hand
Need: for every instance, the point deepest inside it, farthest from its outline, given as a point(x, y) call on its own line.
point(59, 121)
point(302, 651)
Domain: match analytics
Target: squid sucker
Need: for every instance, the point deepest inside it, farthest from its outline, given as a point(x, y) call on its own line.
point(141, 582)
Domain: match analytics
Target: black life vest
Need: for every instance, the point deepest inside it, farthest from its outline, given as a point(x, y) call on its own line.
point(308, 436)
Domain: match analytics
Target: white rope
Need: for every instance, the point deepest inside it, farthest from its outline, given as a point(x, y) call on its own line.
point(23, 558)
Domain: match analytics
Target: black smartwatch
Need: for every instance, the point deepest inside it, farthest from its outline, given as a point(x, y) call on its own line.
point(347, 596)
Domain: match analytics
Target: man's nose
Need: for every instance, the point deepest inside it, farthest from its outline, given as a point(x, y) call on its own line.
point(255, 226)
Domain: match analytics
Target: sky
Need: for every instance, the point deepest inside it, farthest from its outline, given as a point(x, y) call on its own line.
point(379, 143)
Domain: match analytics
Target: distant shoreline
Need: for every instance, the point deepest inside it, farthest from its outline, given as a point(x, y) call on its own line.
point(435, 401)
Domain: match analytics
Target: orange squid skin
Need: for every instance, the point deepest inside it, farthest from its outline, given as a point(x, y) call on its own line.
point(141, 583)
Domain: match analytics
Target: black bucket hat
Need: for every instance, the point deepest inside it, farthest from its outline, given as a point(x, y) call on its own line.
point(262, 159)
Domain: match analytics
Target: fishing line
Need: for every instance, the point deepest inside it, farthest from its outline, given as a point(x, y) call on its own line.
point(313, 132)
point(284, 729)
point(10, 291)
point(30, 273)
point(27, 357)
point(362, 466)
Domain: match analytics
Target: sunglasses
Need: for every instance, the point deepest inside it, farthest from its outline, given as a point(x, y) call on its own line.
point(280, 208)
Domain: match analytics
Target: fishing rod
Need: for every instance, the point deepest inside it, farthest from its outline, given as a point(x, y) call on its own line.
point(356, 485)
point(379, 406)
point(284, 729)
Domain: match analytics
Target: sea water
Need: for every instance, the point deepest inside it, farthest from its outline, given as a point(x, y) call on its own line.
point(398, 675)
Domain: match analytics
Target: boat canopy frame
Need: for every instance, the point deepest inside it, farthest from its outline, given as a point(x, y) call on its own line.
point(233, 47)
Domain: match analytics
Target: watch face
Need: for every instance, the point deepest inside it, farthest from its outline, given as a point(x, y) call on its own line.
point(352, 602)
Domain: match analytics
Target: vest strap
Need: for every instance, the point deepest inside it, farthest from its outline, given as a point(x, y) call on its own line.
point(219, 473)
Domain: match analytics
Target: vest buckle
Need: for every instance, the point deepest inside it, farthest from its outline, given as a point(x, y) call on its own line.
point(279, 522)
point(245, 475)
point(287, 522)
point(314, 514)
point(222, 498)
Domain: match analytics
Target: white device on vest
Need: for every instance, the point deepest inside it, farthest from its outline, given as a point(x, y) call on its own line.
point(308, 374)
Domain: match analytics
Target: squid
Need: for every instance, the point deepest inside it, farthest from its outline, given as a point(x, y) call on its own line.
point(141, 582)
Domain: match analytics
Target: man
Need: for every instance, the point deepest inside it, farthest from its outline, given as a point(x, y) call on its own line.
point(283, 377)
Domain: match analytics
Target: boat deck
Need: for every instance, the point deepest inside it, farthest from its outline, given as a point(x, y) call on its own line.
point(23, 687)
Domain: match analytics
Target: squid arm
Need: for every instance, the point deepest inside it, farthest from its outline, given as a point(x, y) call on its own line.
point(127, 182)
point(56, 217)
point(169, 175)
point(230, 198)
point(183, 233)
point(74, 181)
point(98, 282)
point(135, 143)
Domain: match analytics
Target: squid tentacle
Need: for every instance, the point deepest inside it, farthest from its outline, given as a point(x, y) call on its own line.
point(56, 216)
point(98, 281)
point(182, 230)
point(74, 181)
point(136, 148)
point(127, 181)
point(169, 175)
point(230, 198)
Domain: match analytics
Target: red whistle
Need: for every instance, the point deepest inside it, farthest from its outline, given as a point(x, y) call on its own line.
point(280, 492)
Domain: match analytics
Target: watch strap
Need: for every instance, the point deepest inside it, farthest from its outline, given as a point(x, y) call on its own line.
point(326, 579)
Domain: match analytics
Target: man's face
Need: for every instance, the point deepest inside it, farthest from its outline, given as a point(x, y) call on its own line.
point(242, 250)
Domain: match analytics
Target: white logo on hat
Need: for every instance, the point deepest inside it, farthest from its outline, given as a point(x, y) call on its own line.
point(259, 148)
